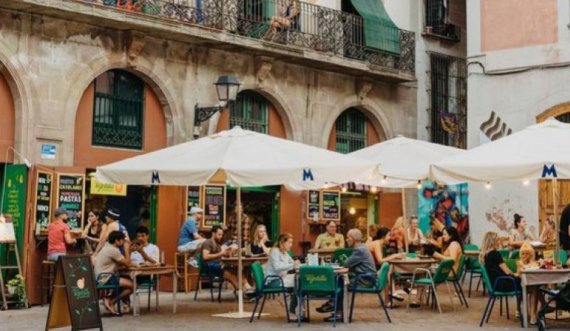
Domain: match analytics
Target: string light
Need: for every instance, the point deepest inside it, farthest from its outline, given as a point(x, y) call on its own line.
point(384, 178)
point(526, 182)
point(344, 189)
point(373, 189)
point(419, 186)
point(352, 210)
point(488, 185)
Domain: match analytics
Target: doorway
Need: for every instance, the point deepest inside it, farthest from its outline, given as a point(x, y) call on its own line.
point(261, 204)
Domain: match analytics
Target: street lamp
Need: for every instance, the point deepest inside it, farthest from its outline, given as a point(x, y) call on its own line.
point(227, 88)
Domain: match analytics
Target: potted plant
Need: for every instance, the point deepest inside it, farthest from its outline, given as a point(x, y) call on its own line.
point(16, 287)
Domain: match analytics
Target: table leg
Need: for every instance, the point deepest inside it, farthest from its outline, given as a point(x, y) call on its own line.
point(135, 300)
point(174, 290)
point(156, 291)
point(345, 306)
point(525, 307)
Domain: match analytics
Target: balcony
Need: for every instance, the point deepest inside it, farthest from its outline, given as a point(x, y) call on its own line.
point(318, 36)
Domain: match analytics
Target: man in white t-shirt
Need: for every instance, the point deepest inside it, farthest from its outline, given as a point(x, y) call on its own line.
point(142, 251)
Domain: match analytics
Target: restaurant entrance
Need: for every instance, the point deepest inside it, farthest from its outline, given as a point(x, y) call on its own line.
point(261, 204)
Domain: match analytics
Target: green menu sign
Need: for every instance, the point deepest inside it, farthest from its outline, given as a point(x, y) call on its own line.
point(14, 203)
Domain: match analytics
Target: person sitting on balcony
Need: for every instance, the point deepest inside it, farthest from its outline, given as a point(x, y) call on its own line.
point(289, 11)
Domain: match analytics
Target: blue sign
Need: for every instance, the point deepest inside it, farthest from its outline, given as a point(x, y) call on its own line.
point(549, 171)
point(308, 175)
point(48, 151)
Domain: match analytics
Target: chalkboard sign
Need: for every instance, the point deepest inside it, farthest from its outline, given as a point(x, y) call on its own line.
point(313, 204)
point(192, 198)
point(214, 205)
point(15, 180)
point(74, 300)
point(42, 199)
point(70, 193)
point(331, 205)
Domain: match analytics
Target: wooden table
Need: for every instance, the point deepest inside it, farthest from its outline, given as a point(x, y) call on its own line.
point(409, 265)
point(540, 277)
point(153, 271)
point(246, 261)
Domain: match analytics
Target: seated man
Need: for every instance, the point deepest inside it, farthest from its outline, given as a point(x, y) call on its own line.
point(59, 235)
point(142, 251)
point(359, 262)
point(330, 239)
point(189, 238)
point(109, 260)
point(213, 250)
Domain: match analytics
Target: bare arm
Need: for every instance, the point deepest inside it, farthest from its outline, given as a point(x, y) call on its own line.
point(126, 261)
point(68, 239)
point(102, 238)
point(207, 256)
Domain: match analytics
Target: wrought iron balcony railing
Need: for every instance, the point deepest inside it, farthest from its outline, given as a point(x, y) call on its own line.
point(313, 27)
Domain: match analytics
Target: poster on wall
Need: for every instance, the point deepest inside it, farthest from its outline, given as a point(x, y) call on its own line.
point(192, 198)
point(214, 206)
point(43, 198)
point(14, 193)
point(447, 204)
point(313, 205)
point(70, 195)
point(331, 205)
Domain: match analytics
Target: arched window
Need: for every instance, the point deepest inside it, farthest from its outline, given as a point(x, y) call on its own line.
point(250, 112)
point(118, 110)
point(350, 131)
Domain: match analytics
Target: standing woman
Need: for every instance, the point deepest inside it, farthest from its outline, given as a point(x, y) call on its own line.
point(280, 263)
point(92, 231)
point(452, 247)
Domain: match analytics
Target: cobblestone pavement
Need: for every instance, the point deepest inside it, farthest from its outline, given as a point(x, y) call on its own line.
point(194, 315)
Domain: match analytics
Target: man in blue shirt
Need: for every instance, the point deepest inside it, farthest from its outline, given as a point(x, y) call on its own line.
point(189, 238)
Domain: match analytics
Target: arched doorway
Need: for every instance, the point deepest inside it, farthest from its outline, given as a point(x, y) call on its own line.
point(545, 197)
point(119, 116)
point(7, 122)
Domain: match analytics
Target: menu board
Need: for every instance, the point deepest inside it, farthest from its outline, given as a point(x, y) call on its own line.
point(214, 206)
point(313, 204)
point(70, 195)
point(331, 205)
point(75, 300)
point(192, 198)
point(42, 199)
point(14, 204)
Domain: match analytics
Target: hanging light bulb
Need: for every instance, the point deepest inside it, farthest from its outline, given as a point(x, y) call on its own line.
point(488, 185)
point(419, 186)
point(373, 189)
point(326, 186)
point(344, 189)
point(384, 179)
point(526, 182)
point(352, 210)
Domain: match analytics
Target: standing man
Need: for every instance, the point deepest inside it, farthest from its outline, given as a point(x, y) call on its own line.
point(189, 238)
point(142, 251)
point(109, 260)
point(59, 235)
point(330, 239)
point(358, 263)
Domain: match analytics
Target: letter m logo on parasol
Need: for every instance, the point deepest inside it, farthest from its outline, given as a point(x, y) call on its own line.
point(549, 171)
point(155, 178)
point(308, 175)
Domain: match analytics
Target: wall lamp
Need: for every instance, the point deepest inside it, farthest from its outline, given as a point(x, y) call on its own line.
point(227, 88)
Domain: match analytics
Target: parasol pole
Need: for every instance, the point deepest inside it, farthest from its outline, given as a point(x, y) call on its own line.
point(556, 220)
point(240, 264)
point(403, 191)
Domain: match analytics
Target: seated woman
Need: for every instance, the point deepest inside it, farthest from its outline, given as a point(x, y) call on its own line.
point(261, 243)
point(527, 261)
point(414, 235)
point(495, 265)
point(548, 235)
point(396, 241)
point(519, 234)
point(288, 12)
point(434, 236)
point(452, 247)
point(280, 263)
point(376, 246)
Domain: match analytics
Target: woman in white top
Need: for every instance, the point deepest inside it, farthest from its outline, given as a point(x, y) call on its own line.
point(519, 234)
point(280, 263)
point(414, 235)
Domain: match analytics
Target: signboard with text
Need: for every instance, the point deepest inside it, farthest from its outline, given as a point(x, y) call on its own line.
point(313, 204)
point(214, 205)
point(43, 198)
point(193, 198)
point(70, 195)
point(331, 205)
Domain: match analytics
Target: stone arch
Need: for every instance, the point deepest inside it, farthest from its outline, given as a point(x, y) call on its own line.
point(554, 111)
point(22, 95)
point(163, 88)
point(292, 128)
point(372, 112)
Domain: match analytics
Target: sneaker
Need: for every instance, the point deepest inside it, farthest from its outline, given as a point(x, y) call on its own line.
point(325, 309)
point(193, 262)
point(396, 297)
point(414, 305)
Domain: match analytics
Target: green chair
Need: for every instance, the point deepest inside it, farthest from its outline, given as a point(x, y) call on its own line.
point(439, 277)
point(493, 295)
point(515, 254)
point(206, 275)
point(505, 252)
point(340, 255)
point(317, 282)
point(512, 264)
point(112, 285)
point(472, 267)
point(411, 255)
point(267, 285)
point(562, 257)
point(455, 279)
point(379, 281)
point(148, 286)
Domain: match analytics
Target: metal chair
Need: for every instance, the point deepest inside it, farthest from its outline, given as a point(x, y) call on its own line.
point(379, 281)
point(148, 286)
point(317, 282)
point(440, 276)
point(112, 285)
point(455, 279)
point(264, 286)
point(205, 275)
point(494, 294)
point(341, 254)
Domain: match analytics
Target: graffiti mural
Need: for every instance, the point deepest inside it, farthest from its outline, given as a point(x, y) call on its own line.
point(448, 204)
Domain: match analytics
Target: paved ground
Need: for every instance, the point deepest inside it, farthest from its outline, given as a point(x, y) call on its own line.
point(197, 316)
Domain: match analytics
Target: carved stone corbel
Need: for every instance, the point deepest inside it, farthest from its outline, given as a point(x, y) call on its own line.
point(363, 87)
point(263, 66)
point(135, 42)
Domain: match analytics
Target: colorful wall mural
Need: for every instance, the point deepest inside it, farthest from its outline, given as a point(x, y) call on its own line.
point(449, 204)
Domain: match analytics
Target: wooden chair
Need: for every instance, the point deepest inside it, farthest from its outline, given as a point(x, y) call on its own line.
point(184, 270)
point(48, 277)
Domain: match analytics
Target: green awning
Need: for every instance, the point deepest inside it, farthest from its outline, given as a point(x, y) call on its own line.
point(380, 32)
